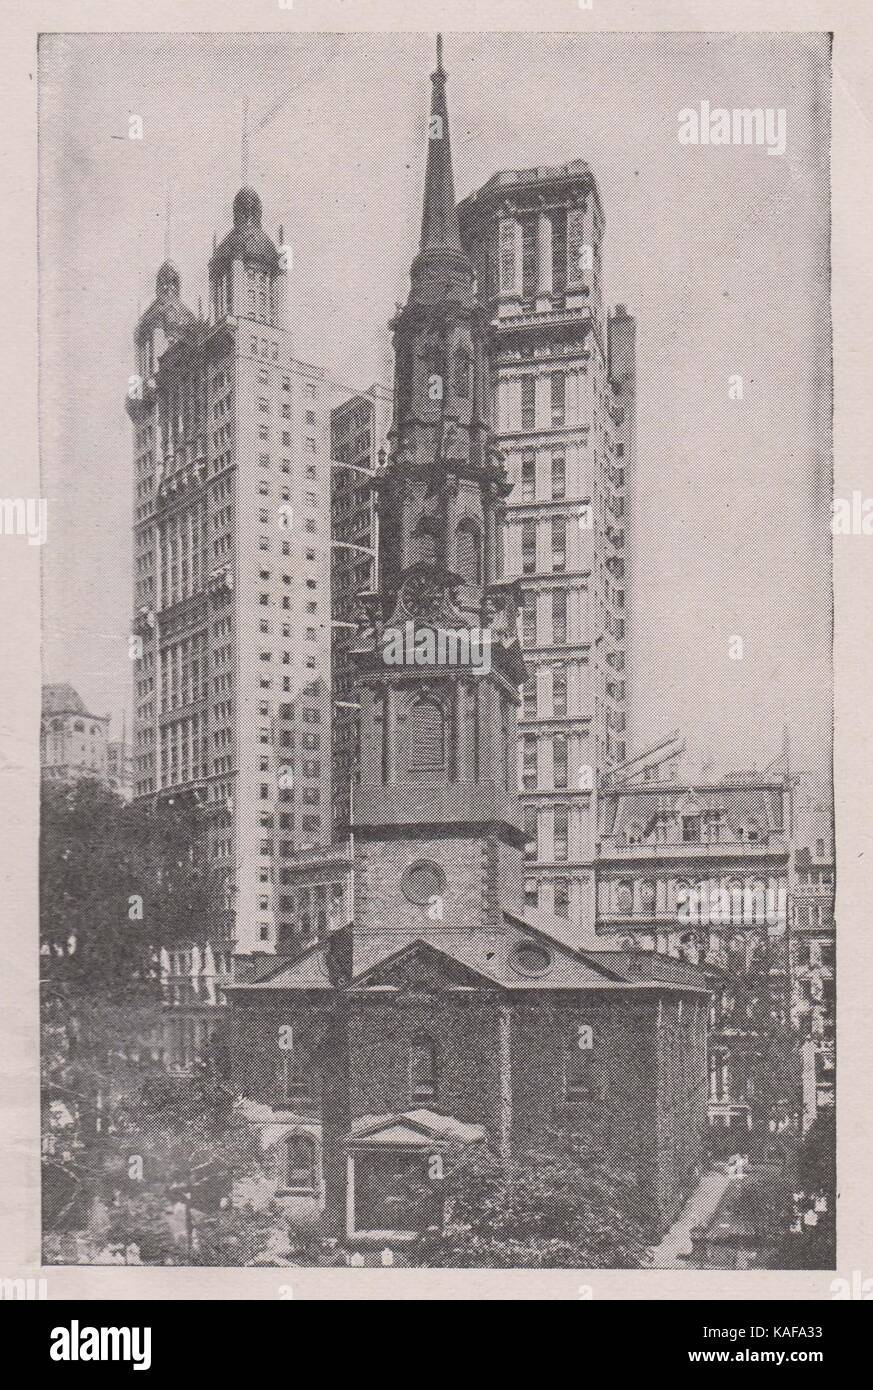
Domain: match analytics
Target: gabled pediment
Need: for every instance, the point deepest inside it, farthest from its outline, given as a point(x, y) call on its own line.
point(420, 968)
point(413, 1129)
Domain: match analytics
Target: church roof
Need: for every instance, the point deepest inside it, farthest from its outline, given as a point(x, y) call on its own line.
point(516, 957)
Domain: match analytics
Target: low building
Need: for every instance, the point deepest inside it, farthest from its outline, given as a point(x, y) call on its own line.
point(720, 872)
point(506, 1030)
point(73, 742)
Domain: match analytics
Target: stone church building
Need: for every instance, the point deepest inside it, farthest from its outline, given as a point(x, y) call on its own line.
point(440, 1018)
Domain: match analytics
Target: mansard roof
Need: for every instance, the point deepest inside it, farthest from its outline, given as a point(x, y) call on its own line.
point(643, 806)
point(61, 699)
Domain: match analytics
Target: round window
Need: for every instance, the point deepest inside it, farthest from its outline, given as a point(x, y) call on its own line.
point(422, 882)
point(529, 958)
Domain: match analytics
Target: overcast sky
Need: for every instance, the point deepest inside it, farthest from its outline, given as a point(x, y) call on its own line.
point(720, 252)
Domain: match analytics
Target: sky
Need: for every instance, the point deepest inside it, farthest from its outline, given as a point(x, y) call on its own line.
point(721, 253)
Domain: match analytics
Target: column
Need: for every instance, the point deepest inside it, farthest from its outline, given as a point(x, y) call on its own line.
point(509, 266)
point(388, 735)
point(544, 262)
point(574, 835)
point(458, 758)
point(576, 902)
point(547, 835)
point(578, 278)
point(545, 763)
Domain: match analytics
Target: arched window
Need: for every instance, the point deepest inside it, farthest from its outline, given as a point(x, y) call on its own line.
point(426, 740)
point(300, 1163)
point(468, 552)
point(423, 1070)
point(425, 540)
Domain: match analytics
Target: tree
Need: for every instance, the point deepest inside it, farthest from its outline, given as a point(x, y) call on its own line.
point(562, 1209)
point(162, 1172)
point(811, 1243)
point(118, 882)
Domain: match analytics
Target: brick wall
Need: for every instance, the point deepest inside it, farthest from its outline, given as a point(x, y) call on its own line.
point(619, 1115)
point(470, 865)
point(647, 1068)
point(681, 1099)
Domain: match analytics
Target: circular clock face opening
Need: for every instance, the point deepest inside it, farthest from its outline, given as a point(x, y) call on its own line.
point(529, 958)
point(423, 881)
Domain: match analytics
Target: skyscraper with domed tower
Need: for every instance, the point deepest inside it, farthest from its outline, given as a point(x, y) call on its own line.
point(232, 681)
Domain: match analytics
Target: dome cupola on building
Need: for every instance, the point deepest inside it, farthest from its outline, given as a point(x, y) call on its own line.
point(248, 242)
point(166, 311)
point(247, 207)
point(168, 282)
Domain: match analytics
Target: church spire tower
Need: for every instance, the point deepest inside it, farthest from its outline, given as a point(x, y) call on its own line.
point(439, 222)
point(438, 841)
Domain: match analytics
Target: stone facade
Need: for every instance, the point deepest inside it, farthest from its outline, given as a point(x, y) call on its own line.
point(734, 875)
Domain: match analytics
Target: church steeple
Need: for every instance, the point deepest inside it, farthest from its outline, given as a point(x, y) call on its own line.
point(439, 662)
point(443, 489)
point(439, 222)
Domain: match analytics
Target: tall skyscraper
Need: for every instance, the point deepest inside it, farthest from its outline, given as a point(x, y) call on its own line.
point(357, 431)
point(563, 398)
point(232, 576)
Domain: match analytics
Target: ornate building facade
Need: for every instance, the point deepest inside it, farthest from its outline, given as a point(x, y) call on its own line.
point(721, 874)
point(72, 742)
point(357, 432)
point(814, 945)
